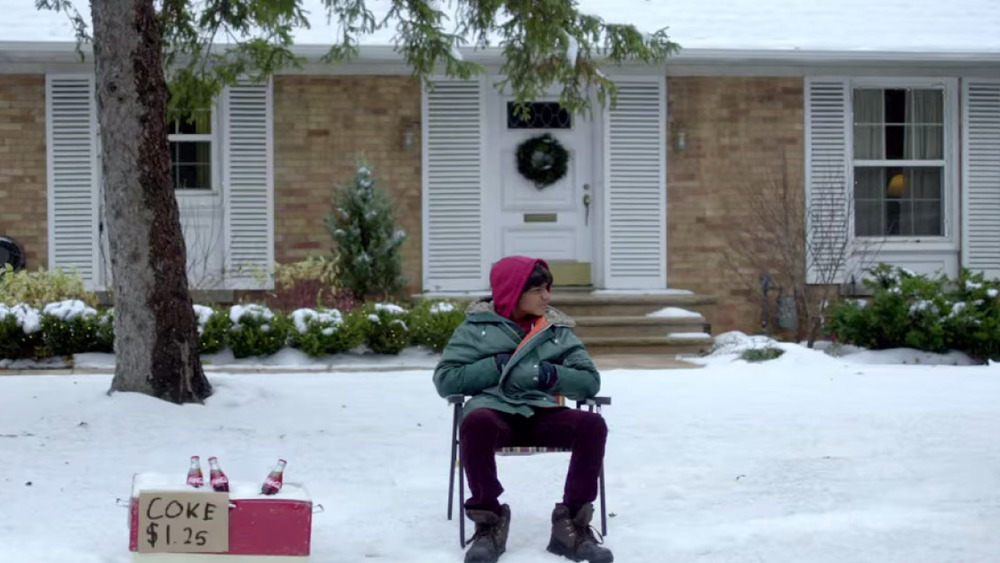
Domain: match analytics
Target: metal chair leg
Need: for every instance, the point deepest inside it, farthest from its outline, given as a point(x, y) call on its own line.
point(600, 481)
point(461, 502)
point(452, 461)
point(604, 505)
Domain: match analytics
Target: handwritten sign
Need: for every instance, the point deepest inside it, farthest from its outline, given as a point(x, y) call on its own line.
point(183, 522)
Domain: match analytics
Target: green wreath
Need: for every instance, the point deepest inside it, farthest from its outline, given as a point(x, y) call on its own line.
point(543, 160)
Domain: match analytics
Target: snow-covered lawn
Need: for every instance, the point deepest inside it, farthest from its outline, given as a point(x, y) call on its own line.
point(804, 459)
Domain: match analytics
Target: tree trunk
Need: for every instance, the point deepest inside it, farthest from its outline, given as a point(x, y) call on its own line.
point(156, 338)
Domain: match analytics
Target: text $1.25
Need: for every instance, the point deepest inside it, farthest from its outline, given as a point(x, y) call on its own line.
point(156, 533)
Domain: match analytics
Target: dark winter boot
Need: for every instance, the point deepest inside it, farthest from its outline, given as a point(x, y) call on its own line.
point(490, 539)
point(573, 537)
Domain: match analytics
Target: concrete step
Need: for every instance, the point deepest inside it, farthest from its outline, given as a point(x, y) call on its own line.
point(650, 345)
point(638, 326)
point(639, 361)
point(583, 304)
point(616, 323)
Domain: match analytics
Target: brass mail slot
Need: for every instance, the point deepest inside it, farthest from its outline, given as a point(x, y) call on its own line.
point(540, 217)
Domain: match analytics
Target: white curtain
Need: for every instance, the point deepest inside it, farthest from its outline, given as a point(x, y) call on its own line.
point(869, 125)
point(924, 125)
point(869, 144)
point(925, 138)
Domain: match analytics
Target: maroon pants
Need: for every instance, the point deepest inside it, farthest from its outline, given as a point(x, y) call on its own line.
point(485, 430)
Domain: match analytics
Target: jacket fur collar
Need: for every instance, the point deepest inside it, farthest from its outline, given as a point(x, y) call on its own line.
point(553, 315)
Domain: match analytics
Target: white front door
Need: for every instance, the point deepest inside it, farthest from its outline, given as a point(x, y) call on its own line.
point(555, 222)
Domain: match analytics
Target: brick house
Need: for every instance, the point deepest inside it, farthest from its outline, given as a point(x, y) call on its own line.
point(653, 187)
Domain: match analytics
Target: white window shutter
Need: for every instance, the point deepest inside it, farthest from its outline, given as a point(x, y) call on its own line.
point(71, 139)
point(828, 216)
point(981, 172)
point(453, 257)
point(635, 186)
point(248, 185)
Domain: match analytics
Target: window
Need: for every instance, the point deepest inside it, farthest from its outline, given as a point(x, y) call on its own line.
point(191, 151)
point(543, 115)
point(899, 162)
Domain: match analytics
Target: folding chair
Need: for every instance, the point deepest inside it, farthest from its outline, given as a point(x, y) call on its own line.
point(458, 401)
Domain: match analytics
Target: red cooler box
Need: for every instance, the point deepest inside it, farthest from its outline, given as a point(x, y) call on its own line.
point(274, 528)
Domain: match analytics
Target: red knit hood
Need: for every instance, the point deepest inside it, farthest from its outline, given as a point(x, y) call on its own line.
point(507, 278)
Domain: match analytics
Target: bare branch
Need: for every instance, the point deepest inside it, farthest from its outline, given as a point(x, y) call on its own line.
point(791, 248)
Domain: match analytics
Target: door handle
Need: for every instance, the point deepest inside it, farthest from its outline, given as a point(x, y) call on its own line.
point(586, 209)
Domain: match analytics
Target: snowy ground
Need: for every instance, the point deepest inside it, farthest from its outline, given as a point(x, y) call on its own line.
point(808, 458)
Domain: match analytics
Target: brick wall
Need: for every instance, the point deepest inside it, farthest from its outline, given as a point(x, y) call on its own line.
point(23, 201)
point(738, 130)
point(321, 123)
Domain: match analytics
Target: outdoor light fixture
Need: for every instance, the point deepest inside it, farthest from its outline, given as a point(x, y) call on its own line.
point(410, 132)
point(680, 138)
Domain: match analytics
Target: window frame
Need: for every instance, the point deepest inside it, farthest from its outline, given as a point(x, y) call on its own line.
point(950, 196)
point(215, 148)
point(509, 109)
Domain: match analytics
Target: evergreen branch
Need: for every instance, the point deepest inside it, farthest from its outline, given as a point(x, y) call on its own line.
point(78, 23)
point(544, 43)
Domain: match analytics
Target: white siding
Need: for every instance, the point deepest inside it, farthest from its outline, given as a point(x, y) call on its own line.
point(827, 207)
point(71, 142)
point(248, 185)
point(635, 186)
point(452, 179)
point(981, 173)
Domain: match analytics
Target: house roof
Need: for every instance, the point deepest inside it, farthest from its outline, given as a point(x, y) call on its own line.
point(857, 26)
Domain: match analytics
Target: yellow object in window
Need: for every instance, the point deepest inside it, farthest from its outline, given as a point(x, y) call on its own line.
point(897, 185)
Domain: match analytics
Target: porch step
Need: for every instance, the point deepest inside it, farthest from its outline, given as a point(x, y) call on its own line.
point(639, 326)
point(618, 323)
point(669, 346)
point(587, 304)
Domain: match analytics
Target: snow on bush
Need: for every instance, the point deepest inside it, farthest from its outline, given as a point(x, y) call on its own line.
point(69, 310)
point(20, 331)
point(390, 308)
point(433, 322)
point(69, 327)
point(213, 328)
point(252, 314)
point(441, 307)
point(25, 317)
point(256, 330)
point(386, 331)
point(320, 332)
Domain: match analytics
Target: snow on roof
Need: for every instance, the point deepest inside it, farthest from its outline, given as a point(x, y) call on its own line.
point(925, 26)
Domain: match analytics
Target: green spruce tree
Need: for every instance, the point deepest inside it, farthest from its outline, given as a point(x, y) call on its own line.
point(368, 241)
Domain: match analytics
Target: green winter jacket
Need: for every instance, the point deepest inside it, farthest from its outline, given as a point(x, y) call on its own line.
point(468, 367)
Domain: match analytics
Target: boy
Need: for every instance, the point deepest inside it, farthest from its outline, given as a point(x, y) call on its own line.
point(512, 354)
